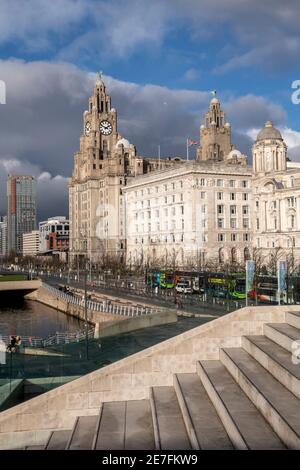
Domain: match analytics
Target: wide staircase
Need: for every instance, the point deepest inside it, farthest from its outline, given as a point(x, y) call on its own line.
point(248, 399)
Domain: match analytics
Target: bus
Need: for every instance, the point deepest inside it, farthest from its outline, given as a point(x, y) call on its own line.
point(223, 285)
point(266, 289)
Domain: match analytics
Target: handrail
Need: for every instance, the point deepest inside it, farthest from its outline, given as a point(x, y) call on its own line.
point(105, 307)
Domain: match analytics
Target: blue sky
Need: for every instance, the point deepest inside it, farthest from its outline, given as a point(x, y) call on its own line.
point(160, 60)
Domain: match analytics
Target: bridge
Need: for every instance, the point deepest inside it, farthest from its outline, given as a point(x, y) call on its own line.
point(22, 287)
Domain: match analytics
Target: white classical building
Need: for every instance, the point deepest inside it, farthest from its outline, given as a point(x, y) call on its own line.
point(216, 209)
point(189, 216)
point(276, 197)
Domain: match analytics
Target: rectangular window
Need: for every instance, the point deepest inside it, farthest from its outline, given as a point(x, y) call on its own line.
point(202, 182)
point(246, 237)
point(244, 184)
point(232, 196)
point(220, 183)
point(245, 223)
point(232, 210)
point(203, 209)
point(232, 223)
point(245, 210)
point(220, 196)
point(245, 196)
point(221, 237)
point(233, 237)
point(202, 195)
point(220, 223)
point(220, 209)
point(231, 183)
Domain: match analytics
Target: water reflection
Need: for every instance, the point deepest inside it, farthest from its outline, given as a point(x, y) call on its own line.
point(26, 317)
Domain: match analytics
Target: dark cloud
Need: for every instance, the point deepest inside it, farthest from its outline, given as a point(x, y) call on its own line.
point(257, 32)
point(41, 123)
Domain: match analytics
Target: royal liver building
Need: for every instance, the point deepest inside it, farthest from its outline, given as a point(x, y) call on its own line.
point(181, 213)
point(102, 167)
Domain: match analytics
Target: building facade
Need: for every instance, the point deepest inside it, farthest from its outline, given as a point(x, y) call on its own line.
point(172, 212)
point(276, 198)
point(102, 167)
point(31, 243)
point(21, 210)
point(54, 235)
point(3, 235)
point(197, 214)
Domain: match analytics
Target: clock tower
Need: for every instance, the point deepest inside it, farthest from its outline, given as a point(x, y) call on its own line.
point(215, 135)
point(101, 167)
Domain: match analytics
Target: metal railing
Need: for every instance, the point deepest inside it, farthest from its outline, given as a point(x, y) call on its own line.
point(102, 307)
point(57, 338)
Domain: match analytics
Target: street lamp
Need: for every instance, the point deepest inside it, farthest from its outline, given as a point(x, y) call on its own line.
point(290, 238)
point(83, 235)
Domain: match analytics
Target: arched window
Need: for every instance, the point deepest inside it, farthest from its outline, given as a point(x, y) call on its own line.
point(221, 255)
point(233, 255)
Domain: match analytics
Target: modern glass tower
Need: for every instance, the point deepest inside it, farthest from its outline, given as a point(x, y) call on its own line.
point(21, 210)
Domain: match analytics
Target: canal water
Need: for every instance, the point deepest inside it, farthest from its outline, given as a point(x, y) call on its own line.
point(30, 318)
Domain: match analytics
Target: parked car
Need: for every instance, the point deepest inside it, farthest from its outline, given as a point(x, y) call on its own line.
point(184, 288)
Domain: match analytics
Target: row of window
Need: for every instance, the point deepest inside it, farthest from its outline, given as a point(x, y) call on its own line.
point(232, 196)
point(202, 182)
point(167, 200)
point(157, 227)
point(234, 237)
point(232, 209)
point(232, 223)
point(166, 212)
point(291, 223)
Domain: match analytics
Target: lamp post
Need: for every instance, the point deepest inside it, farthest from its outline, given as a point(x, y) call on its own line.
point(291, 239)
point(85, 252)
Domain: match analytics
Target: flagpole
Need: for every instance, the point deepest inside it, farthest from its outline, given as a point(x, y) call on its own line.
point(159, 156)
point(187, 149)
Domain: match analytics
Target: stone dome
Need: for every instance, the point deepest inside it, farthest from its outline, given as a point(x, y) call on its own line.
point(234, 153)
point(269, 132)
point(214, 101)
point(123, 142)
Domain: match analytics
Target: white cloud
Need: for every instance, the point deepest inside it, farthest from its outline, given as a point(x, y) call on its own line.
point(110, 29)
point(42, 120)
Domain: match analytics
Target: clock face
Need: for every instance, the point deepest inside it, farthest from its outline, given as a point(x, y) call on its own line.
point(105, 127)
point(87, 128)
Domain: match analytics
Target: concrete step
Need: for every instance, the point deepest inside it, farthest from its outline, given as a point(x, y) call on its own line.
point(282, 334)
point(277, 404)
point(111, 427)
point(139, 433)
point(276, 359)
point(293, 319)
point(58, 440)
point(244, 424)
point(169, 429)
point(202, 422)
point(35, 447)
point(83, 433)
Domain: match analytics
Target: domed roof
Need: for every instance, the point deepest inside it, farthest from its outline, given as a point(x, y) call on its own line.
point(234, 153)
point(214, 101)
point(123, 142)
point(269, 132)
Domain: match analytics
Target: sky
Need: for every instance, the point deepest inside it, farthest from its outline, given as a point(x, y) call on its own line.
point(160, 61)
